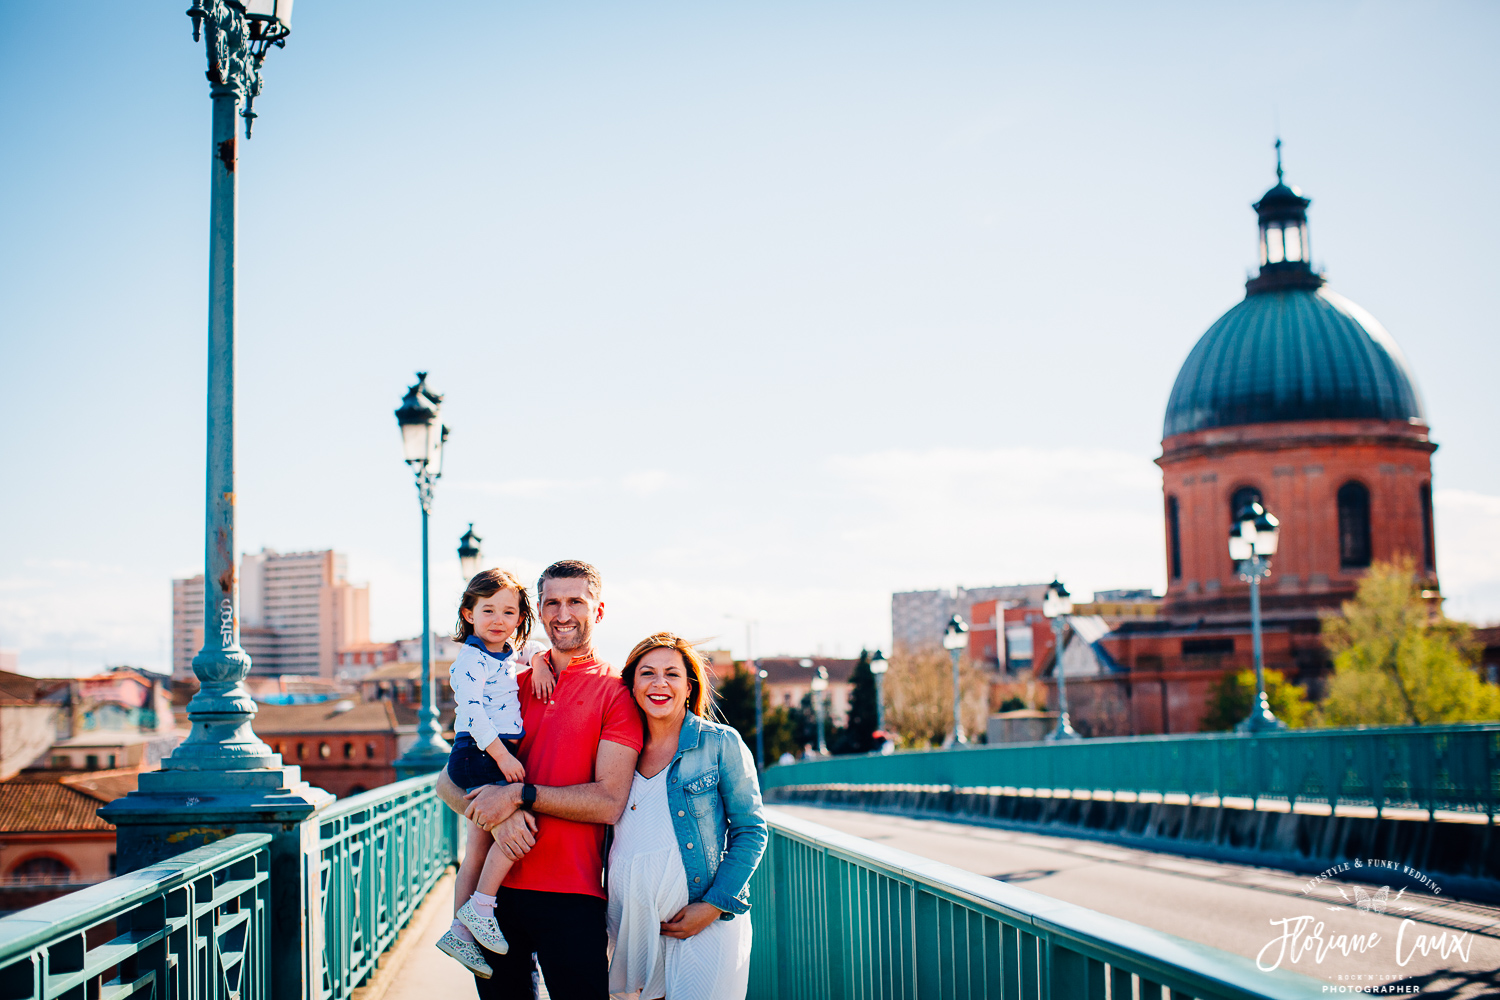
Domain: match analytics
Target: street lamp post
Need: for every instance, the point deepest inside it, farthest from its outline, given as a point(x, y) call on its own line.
point(819, 686)
point(1252, 543)
point(423, 435)
point(878, 666)
point(1057, 604)
point(236, 43)
point(760, 675)
point(955, 640)
point(760, 722)
point(223, 777)
point(469, 555)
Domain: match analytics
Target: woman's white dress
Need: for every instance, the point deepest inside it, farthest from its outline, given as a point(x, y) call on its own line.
point(647, 884)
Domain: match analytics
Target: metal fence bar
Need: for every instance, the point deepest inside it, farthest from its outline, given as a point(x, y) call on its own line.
point(1454, 767)
point(379, 853)
point(944, 934)
point(193, 927)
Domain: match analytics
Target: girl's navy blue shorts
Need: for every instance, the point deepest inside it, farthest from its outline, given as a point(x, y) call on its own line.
point(469, 766)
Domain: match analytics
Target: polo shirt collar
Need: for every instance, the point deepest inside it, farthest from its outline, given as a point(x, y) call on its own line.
point(589, 660)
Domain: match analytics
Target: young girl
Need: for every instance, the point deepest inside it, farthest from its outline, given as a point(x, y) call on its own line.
point(494, 622)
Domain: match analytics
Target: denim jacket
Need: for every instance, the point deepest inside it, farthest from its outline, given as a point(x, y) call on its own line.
point(714, 794)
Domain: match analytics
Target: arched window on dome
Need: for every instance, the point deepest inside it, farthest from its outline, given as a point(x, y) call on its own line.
point(1354, 526)
point(1242, 496)
point(1174, 536)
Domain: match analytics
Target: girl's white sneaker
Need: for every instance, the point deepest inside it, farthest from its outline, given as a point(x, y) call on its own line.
point(466, 953)
point(483, 928)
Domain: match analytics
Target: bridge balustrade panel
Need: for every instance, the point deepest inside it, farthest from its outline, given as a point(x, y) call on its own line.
point(192, 927)
point(840, 918)
point(1455, 767)
point(380, 853)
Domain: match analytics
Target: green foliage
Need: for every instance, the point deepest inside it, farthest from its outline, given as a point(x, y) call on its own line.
point(1234, 695)
point(1395, 664)
point(1013, 704)
point(858, 734)
point(736, 707)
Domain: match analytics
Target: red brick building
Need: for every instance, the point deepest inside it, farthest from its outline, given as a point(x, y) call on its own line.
point(346, 746)
point(1296, 398)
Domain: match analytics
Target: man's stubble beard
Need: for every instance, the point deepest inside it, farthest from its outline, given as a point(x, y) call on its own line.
point(580, 640)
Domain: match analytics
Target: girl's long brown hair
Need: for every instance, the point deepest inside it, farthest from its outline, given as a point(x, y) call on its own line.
point(700, 694)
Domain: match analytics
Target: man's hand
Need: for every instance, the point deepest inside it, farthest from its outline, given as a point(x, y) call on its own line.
point(689, 920)
point(492, 805)
point(516, 836)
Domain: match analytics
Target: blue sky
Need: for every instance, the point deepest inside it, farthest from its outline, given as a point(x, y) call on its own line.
point(766, 309)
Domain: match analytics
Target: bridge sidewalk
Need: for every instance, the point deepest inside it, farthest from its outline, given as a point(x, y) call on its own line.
point(413, 969)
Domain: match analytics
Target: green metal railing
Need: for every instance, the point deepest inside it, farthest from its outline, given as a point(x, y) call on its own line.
point(194, 926)
point(380, 853)
point(840, 918)
point(1453, 767)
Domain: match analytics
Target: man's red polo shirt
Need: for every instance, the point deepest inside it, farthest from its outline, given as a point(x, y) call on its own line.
point(589, 704)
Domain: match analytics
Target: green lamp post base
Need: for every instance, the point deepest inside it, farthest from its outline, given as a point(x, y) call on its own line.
point(177, 810)
point(421, 758)
point(1261, 719)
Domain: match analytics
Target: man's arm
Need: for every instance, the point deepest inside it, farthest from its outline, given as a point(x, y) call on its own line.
point(450, 793)
point(599, 801)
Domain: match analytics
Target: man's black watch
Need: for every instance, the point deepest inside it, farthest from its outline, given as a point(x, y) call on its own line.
point(528, 796)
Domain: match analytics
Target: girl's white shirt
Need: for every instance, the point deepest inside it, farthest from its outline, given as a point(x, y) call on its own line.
point(486, 692)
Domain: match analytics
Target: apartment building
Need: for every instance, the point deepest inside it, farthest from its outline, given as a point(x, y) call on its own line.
point(297, 611)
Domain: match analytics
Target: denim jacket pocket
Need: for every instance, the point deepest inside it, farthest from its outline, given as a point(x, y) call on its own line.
point(703, 792)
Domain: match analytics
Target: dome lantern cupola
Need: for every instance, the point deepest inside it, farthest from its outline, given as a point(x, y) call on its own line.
point(1285, 252)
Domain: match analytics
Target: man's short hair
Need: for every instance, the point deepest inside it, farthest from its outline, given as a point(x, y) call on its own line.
point(571, 569)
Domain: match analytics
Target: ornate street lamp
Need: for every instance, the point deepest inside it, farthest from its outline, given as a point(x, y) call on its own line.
point(955, 641)
point(1057, 604)
point(819, 686)
point(1252, 543)
point(878, 666)
point(423, 435)
point(222, 738)
point(223, 776)
point(469, 554)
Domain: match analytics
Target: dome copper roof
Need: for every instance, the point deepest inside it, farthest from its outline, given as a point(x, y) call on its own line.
point(1292, 354)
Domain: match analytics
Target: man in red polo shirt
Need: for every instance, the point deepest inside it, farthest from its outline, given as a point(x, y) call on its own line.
point(579, 750)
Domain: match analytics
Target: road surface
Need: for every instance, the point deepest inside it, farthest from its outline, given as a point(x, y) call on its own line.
point(1224, 905)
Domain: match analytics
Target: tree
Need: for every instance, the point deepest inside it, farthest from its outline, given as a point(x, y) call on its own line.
point(804, 724)
point(1234, 694)
point(858, 734)
point(919, 697)
point(736, 706)
point(1395, 664)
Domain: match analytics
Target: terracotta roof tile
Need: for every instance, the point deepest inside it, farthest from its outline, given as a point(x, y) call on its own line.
point(344, 716)
point(47, 807)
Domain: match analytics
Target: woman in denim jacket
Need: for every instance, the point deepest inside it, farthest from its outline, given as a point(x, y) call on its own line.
point(691, 835)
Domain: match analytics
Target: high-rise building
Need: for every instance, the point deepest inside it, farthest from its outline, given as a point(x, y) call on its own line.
point(297, 610)
point(919, 617)
point(187, 624)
